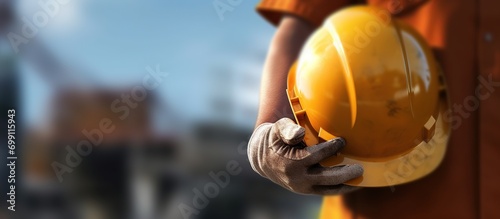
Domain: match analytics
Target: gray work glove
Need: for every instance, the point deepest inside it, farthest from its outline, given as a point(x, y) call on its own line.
point(276, 152)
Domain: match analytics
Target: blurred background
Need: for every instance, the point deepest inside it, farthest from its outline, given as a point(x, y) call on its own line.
point(75, 64)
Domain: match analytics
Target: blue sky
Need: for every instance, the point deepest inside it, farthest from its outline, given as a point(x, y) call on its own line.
point(116, 39)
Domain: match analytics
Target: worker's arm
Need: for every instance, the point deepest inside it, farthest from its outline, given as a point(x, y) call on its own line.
point(291, 34)
point(275, 149)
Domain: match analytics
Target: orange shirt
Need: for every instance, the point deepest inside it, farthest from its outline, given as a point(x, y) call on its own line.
point(465, 35)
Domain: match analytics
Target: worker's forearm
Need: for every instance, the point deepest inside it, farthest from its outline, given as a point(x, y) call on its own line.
point(285, 47)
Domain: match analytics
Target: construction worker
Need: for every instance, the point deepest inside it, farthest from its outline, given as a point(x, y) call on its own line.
point(466, 185)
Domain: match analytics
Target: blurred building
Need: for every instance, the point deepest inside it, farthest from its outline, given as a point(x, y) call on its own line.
point(102, 185)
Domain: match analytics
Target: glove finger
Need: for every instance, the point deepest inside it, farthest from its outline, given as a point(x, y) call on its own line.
point(288, 131)
point(324, 150)
point(328, 176)
point(334, 190)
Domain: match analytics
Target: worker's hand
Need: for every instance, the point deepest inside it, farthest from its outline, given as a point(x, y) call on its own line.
point(276, 152)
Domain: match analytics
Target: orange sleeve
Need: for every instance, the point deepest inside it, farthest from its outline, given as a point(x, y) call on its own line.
point(313, 11)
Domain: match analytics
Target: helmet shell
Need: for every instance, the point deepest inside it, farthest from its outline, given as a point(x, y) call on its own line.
point(370, 79)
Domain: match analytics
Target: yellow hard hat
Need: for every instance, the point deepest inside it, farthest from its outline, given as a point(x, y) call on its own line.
point(372, 80)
